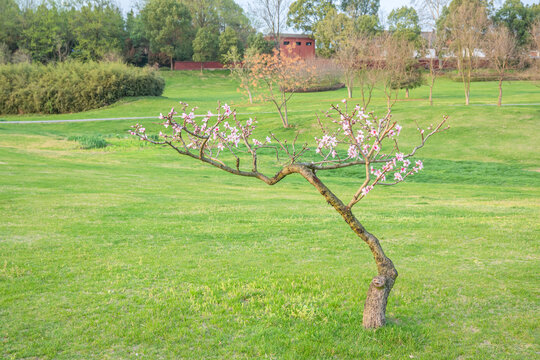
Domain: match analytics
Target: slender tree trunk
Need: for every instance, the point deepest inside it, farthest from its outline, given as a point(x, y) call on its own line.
point(381, 285)
point(172, 64)
point(499, 102)
point(286, 122)
point(250, 97)
point(406, 93)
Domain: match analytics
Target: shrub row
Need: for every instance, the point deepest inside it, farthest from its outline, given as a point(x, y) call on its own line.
point(72, 86)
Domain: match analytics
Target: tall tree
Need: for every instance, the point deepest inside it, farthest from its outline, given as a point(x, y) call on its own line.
point(205, 46)
point(98, 29)
point(358, 8)
point(403, 22)
point(500, 48)
point(137, 44)
point(169, 29)
point(227, 40)
point(273, 14)
point(331, 31)
point(304, 15)
point(518, 18)
point(10, 16)
point(429, 11)
point(463, 24)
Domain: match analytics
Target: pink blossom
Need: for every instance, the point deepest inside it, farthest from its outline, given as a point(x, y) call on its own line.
point(398, 128)
point(360, 136)
point(220, 146)
point(249, 122)
point(398, 177)
point(365, 149)
point(353, 151)
point(373, 132)
point(376, 147)
point(334, 153)
point(406, 162)
point(399, 156)
point(344, 101)
point(420, 165)
point(227, 109)
point(161, 117)
point(403, 170)
point(256, 142)
point(268, 139)
point(142, 130)
point(391, 133)
point(366, 190)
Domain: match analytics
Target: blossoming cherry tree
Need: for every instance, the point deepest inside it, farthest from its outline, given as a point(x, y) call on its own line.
point(348, 138)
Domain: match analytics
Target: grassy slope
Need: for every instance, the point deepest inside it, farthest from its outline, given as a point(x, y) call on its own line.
point(131, 252)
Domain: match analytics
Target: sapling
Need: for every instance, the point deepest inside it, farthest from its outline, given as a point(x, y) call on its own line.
point(347, 139)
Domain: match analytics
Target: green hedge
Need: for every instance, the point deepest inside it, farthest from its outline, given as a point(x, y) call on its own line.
point(72, 86)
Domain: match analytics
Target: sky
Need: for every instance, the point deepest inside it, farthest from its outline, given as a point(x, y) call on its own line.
point(386, 5)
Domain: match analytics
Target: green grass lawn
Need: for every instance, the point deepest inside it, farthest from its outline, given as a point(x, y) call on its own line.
point(130, 252)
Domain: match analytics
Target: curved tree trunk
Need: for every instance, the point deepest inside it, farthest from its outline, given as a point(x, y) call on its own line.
point(381, 285)
point(499, 102)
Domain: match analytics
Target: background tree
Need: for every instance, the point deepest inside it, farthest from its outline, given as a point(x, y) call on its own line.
point(500, 48)
point(351, 138)
point(98, 29)
point(227, 40)
point(280, 76)
point(348, 57)
point(429, 11)
point(399, 71)
point(259, 43)
point(10, 28)
point(463, 25)
point(273, 15)
point(518, 18)
point(331, 31)
point(404, 23)
point(241, 68)
point(304, 15)
point(137, 44)
point(168, 26)
point(357, 8)
point(205, 46)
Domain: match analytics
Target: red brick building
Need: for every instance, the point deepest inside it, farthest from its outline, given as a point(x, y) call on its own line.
point(302, 45)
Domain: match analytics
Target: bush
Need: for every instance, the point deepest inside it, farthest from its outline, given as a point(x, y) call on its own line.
point(72, 86)
point(89, 141)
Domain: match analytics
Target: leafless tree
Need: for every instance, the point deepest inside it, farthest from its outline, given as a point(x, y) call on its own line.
point(429, 10)
point(500, 48)
point(464, 28)
point(272, 14)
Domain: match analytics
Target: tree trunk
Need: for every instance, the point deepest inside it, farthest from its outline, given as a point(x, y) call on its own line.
point(406, 93)
point(349, 91)
point(381, 285)
point(250, 97)
point(499, 102)
point(431, 95)
point(172, 64)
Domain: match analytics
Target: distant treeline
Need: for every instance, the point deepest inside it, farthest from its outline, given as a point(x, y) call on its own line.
point(160, 31)
point(72, 86)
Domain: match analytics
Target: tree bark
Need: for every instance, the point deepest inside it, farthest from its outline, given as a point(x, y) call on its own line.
point(172, 64)
point(406, 93)
point(381, 285)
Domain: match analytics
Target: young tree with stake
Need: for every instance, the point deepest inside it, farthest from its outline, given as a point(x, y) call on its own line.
point(348, 138)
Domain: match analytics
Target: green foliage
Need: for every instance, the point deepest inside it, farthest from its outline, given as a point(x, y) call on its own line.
point(303, 15)
point(518, 19)
point(169, 28)
point(89, 141)
point(404, 23)
point(228, 40)
point(368, 25)
point(98, 29)
point(333, 29)
point(205, 45)
point(260, 44)
point(9, 23)
point(358, 8)
point(72, 86)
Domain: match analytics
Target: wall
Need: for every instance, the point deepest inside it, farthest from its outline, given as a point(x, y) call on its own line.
point(192, 65)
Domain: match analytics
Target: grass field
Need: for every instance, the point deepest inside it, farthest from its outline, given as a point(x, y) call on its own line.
point(130, 252)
